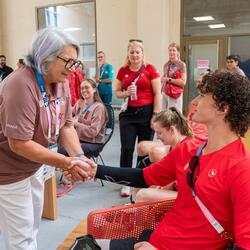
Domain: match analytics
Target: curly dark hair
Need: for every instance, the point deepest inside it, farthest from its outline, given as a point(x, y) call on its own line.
point(232, 91)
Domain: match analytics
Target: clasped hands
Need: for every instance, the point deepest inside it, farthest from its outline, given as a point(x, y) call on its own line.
point(80, 169)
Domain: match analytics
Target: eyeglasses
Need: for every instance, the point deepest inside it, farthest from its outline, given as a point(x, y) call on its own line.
point(135, 40)
point(70, 63)
point(190, 177)
point(99, 57)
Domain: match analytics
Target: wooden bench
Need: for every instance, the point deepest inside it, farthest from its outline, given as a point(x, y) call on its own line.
point(79, 230)
point(50, 210)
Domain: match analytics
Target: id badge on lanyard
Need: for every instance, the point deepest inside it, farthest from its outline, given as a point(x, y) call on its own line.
point(45, 101)
point(49, 171)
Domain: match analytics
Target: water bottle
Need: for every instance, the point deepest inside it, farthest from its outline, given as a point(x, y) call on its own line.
point(133, 97)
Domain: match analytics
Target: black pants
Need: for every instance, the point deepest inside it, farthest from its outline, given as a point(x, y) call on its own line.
point(134, 124)
point(128, 244)
point(89, 149)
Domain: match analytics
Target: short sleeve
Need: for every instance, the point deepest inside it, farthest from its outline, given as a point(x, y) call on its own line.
point(183, 68)
point(240, 190)
point(162, 172)
point(18, 111)
point(120, 74)
point(154, 73)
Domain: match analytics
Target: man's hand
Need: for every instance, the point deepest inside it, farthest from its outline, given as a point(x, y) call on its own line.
point(144, 245)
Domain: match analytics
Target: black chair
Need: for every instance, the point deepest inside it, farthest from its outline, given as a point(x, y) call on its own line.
point(111, 119)
point(96, 156)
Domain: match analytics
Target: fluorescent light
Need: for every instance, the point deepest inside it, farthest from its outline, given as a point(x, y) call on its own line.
point(203, 18)
point(72, 29)
point(217, 26)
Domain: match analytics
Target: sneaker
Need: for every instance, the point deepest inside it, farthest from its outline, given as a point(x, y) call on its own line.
point(125, 191)
point(108, 131)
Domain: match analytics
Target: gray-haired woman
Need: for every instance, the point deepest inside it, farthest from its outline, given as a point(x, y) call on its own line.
point(35, 112)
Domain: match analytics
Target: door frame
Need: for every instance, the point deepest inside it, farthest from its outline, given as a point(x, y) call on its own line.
point(222, 53)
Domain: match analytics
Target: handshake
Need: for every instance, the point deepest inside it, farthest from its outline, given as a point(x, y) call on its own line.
point(80, 169)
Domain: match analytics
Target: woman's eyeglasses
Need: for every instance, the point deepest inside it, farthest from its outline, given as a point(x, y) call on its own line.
point(70, 63)
point(190, 177)
point(135, 40)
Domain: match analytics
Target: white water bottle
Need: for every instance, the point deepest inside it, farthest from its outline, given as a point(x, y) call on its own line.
point(133, 97)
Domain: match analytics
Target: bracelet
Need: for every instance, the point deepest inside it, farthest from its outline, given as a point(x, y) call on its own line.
point(155, 113)
point(79, 154)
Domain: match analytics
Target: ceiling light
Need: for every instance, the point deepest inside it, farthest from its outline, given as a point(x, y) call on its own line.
point(217, 26)
point(72, 29)
point(203, 18)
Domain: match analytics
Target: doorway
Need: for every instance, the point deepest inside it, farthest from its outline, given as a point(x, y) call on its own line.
point(201, 54)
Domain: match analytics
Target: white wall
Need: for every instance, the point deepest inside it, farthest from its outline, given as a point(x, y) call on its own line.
point(157, 22)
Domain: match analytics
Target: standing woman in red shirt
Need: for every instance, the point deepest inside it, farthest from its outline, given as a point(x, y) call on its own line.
point(174, 79)
point(139, 84)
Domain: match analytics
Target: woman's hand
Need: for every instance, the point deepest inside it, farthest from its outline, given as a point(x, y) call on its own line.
point(131, 90)
point(152, 122)
point(164, 79)
point(81, 169)
point(144, 245)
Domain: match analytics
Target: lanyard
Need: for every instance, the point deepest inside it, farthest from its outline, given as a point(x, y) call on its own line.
point(87, 108)
point(138, 75)
point(41, 85)
point(103, 70)
point(214, 223)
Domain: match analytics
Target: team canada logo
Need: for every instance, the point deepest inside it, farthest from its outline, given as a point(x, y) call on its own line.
point(212, 172)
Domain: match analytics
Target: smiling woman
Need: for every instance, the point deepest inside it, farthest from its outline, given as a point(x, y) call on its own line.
point(31, 125)
point(90, 118)
point(139, 83)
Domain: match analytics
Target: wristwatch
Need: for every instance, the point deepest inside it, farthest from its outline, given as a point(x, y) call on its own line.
point(169, 79)
point(155, 113)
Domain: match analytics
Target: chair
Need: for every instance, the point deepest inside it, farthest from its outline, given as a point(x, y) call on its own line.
point(127, 221)
point(111, 117)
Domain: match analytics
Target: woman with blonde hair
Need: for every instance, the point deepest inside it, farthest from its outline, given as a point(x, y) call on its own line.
point(171, 128)
point(174, 78)
point(139, 84)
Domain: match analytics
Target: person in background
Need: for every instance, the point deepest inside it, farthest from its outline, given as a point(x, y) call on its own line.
point(20, 63)
point(216, 174)
point(75, 79)
point(171, 128)
point(35, 112)
point(4, 69)
point(173, 79)
point(232, 64)
point(104, 78)
point(90, 118)
point(139, 83)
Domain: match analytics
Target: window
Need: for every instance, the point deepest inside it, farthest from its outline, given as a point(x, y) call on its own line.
point(79, 21)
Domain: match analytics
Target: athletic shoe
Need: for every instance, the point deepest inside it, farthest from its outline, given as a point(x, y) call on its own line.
point(125, 191)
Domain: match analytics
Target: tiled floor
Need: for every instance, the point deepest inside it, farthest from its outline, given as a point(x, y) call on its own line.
point(76, 205)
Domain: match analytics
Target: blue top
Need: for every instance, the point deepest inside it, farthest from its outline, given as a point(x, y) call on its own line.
point(106, 71)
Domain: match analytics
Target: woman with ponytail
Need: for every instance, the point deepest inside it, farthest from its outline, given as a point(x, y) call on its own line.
point(171, 128)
